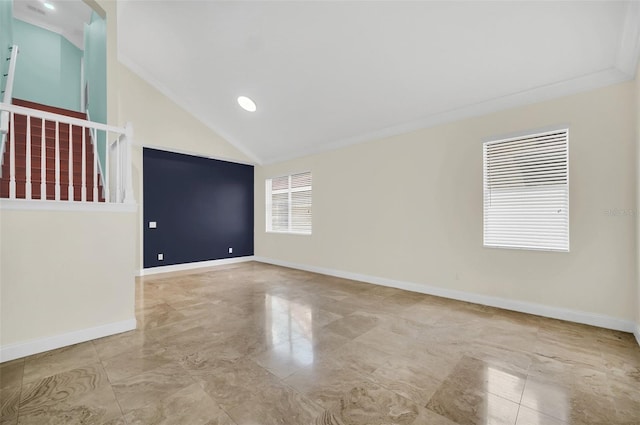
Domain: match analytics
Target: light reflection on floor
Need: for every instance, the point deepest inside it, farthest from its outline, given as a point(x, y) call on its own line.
point(290, 325)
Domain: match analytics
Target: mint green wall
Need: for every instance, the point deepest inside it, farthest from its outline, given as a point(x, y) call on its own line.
point(48, 67)
point(6, 37)
point(95, 71)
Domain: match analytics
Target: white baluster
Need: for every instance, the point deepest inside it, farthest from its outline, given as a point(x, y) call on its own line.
point(57, 154)
point(27, 184)
point(84, 165)
point(43, 162)
point(71, 197)
point(106, 170)
point(12, 159)
point(118, 176)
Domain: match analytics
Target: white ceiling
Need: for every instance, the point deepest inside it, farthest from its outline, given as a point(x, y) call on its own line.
point(328, 74)
point(67, 19)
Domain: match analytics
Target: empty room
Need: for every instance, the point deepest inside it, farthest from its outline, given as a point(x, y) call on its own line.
point(319, 212)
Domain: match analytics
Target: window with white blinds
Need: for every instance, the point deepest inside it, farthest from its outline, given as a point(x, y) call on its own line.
point(288, 208)
point(526, 192)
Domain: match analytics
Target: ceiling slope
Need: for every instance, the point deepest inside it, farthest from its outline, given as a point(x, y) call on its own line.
point(329, 74)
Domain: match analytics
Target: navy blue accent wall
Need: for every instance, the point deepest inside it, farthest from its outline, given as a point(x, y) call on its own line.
point(202, 208)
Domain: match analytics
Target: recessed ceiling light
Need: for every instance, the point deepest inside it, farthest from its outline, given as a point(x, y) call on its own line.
point(49, 6)
point(247, 104)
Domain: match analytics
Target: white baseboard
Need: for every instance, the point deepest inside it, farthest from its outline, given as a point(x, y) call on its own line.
point(35, 346)
point(637, 333)
point(195, 265)
point(576, 316)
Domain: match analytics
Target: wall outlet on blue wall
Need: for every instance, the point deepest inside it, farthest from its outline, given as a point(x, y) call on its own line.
point(160, 257)
point(230, 250)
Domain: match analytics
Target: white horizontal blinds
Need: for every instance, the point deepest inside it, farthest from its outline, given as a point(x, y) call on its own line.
point(280, 183)
point(301, 203)
point(280, 204)
point(289, 203)
point(526, 192)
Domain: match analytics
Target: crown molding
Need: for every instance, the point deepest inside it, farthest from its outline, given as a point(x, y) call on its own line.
point(568, 87)
point(624, 69)
point(152, 81)
point(20, 16)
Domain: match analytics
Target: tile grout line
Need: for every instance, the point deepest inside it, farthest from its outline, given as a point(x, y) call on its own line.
point(110, 384)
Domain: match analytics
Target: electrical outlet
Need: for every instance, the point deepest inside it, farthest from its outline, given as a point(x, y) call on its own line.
point(153, 225)
point(230, 250)
point(160, 257)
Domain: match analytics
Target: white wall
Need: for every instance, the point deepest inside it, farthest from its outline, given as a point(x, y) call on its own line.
point(63, 272)
point(409, 208)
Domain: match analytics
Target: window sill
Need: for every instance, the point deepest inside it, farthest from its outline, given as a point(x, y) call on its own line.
point(288, 233)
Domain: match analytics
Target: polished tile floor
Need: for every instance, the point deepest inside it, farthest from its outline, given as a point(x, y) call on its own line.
point(256, 344)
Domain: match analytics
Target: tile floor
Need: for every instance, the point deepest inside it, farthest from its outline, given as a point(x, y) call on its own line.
point(256, 344)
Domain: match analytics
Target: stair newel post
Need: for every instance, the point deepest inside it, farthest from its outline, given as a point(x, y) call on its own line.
point(27, 183)
point(84, 165)
point(107, 168)
point(43, 162)
point(12, 159)
point(128, 192)
point(71, 196)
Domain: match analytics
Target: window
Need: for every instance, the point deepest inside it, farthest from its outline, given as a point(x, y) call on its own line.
point(526, 192)
point(289, 204)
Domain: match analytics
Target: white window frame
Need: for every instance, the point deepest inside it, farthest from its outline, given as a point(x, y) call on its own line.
point(269, 203)
point(554, 234)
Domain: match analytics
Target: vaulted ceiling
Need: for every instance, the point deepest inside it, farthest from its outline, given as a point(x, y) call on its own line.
point(325, 74)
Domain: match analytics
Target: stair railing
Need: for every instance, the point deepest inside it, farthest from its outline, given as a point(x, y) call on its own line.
point(50, 135)
point(7, 98)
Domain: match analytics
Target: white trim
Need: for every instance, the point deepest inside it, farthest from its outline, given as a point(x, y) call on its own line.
point(22, 15)
point(637, 333)
point(35, 346)
point(194, 265)
point(196, 154)
point(592, 81)
point(50, 205)
point(577, 316)
point(523, 133)
point(153, 82)
point(603, 78)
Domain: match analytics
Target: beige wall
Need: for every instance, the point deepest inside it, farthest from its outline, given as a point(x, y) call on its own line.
point(64, 271)
point(409, 208)
point(637, 116)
